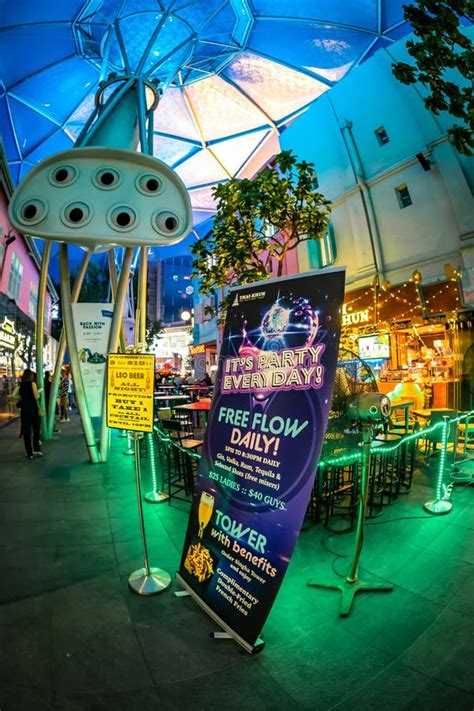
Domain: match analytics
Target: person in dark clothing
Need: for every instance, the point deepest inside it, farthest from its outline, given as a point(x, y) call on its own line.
point(207, 380)
point(47, 387)
point(28, 396)
point(63, 396)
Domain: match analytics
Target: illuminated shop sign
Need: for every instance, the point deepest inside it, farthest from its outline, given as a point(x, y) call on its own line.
point(350, 318)
point(8, 334)
point(195, 350)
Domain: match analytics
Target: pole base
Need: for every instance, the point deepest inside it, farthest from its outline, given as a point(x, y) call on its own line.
point(350, 589)
point(144, 584)
point(156, 497)
point(438, 507)
point(463, 471)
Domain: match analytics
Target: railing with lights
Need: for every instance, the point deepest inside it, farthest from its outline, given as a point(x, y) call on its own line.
point(437, 506)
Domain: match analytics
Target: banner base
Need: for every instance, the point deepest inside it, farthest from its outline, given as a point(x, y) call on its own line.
point(349, 589)
point(438, 506)
point(143, 584)
point(250, 648)
point(156, 497)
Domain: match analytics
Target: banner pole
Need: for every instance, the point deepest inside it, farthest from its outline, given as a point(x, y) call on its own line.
point(140, 323)
point(74, 357)
point(146, 580)
point(351, 584)
point(130, 450)
point(117, 319)
point(39, 334)
point(113, 285)
point(76, 290)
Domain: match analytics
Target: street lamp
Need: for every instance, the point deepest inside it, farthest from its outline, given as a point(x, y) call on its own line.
point(186, 315)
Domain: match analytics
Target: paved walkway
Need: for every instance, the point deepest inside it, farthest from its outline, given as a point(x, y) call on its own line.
point(75, 638)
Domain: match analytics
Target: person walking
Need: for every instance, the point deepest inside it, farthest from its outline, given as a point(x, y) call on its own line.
point(27, 396)
point(64, 396)
point(70, 392)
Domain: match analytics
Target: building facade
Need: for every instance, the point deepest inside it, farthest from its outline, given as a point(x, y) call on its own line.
point(170, 288)
point(19, 278)
point(402, 197)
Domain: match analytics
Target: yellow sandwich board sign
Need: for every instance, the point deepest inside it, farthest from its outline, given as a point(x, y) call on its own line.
point(130, 391)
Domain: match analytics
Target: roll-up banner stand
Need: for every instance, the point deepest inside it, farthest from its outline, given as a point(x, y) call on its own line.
point(263, 441)
point(92, 325)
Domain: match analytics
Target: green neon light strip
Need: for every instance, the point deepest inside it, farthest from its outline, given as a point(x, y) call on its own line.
point(152, 450)
point(357, 456)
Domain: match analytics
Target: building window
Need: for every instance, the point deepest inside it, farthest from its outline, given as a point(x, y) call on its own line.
point(381, 136)
point(322, 252)
point(14, 278)
point(403, 196)
point(33, 302)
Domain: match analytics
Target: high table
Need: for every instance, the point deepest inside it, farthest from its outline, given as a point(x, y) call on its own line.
point(167, 399)
point(426, 414)
point(197, 390)
point(199, 406)
point(403, 405)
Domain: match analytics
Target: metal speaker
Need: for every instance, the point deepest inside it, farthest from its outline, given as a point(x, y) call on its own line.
point(98, 197)
point(368, 407)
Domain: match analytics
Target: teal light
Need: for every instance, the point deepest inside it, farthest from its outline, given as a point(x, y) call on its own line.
point(352, 457)
point(442, 458)
point(152, 453)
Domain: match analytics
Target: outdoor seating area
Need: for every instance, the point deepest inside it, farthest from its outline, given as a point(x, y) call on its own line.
point(236, 355)
point(74, 636)
point(409, 440)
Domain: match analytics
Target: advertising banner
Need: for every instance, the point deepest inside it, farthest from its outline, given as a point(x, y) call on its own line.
point(266, 426)
point(130, 391)
point(92, 326)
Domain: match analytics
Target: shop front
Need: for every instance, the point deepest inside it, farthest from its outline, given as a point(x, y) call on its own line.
point(204, 359)
point(415, 339)
point(171, 349)
point(16, 354)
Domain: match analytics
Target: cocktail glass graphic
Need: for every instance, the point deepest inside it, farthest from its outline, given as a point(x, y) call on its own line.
point(206, 506)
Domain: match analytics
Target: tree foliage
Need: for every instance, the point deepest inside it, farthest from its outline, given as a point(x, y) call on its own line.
point(258, 222)
point(153, 330)
point(95, 287)
point(442, 47)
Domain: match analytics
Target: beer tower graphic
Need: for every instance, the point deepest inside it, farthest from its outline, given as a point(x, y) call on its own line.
point(206, 507)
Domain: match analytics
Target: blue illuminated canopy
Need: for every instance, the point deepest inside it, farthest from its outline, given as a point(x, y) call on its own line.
point(233, 73)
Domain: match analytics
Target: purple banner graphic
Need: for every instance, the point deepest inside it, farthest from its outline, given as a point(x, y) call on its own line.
point(262, 444)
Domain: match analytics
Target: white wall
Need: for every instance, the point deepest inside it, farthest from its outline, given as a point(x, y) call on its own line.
point(439, 226)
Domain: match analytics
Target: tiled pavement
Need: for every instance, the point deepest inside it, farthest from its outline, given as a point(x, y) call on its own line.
point(73, 637)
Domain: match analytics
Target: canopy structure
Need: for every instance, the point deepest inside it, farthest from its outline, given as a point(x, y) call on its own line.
point(233, 73)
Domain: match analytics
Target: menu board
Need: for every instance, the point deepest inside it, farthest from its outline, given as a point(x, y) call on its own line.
point(130, 391)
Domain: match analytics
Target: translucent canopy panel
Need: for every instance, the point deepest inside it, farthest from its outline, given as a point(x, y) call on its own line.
point(232, 73)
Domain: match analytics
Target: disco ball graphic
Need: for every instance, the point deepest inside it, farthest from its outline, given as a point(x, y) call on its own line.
point(288, 323)
point(275, 321)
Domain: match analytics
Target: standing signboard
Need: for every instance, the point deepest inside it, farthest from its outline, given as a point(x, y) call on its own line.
point(263, 441)
point(130, 391)
point(92, 326)
point(130, 395)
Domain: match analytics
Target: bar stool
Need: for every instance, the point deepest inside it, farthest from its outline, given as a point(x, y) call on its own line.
point(180, 469)
point(391, 464)
point(374, 503)
point(339, 496)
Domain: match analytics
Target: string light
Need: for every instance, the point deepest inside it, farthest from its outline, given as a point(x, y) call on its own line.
point(427, 305)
